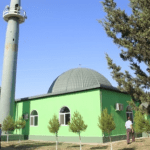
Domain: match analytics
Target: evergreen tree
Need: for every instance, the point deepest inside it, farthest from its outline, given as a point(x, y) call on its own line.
point(20, 124)
point(140, 123)
point(8, 125)
point(147, 127)
point(132, 33)
point(77, 125)
point(106, 123)
point(54, 127)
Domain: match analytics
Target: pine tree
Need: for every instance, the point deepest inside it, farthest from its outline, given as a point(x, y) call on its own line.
point(132, 33)
point(20, 124)
point(54, 127)
point(77, 125)
point(140, 123)
point(147, 127)
point(8, 125)
point(106, 123)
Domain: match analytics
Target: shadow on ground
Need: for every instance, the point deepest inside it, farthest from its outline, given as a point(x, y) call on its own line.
point(99, 147)
point(27, 145)
point(139, 141)
point(74, 146)
point(127, 149)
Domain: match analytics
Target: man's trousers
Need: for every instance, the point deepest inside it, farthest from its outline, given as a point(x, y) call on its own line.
point(129, 132)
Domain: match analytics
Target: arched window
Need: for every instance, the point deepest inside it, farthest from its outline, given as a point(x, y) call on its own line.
point(34, 118)
point(129, 113)
point(64, 115)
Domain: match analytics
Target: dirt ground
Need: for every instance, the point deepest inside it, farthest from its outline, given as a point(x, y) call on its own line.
point(139, 144)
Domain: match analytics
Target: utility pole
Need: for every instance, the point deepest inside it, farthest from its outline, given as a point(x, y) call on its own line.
point(14, 15)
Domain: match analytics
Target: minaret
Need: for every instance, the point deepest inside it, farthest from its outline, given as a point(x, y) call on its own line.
point(14, 15)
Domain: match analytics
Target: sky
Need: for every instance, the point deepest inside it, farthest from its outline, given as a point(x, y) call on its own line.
point(57, 36)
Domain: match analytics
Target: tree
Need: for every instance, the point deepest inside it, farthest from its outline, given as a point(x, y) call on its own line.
point(106, 123)
point(8, 125)
point(77, 124)
point(140, 123)
point(147, 127)
point(20, 124)
point(131, 32)
point(54, 127)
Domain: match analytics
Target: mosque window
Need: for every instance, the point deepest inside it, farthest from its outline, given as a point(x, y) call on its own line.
point(129, 113)
point(64, 116)
point(34, 118)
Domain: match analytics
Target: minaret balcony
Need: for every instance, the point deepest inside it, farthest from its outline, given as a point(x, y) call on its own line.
point(21, 14)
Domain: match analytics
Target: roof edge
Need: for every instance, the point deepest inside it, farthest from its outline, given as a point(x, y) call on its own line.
point(101, 86)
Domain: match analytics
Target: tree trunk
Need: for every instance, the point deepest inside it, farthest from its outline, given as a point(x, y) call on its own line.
point(80, 141)
point(19, 135)
point(110, 142)
point(56, 141)
point(7, 136)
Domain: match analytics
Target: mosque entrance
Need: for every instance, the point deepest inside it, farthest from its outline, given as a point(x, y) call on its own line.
point(129, 113)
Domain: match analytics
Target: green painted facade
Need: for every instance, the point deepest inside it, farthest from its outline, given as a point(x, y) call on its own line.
point(109, 100)
point(88, 103)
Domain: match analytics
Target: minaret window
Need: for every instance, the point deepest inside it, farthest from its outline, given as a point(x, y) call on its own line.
point(34, 118)
point(16, 6)
point(64, 116)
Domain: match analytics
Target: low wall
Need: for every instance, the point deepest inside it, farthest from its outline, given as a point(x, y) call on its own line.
point(15, 137)
point(145, 134)
point(12, 137)
point(118, 138)
point(72, 139)
point(83, 139)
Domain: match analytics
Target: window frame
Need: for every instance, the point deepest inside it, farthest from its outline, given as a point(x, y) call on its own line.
point(33, 116)
point(130, 113)
point(64, 114)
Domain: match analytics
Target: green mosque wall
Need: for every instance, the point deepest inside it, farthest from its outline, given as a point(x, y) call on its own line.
point(109, 100)
point(87, 103)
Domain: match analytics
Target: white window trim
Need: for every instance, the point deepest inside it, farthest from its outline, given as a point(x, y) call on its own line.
point(34, 119)
point(64, 116)
point(129, 113)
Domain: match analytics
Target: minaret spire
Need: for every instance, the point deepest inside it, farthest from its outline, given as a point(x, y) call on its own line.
point(14, 15)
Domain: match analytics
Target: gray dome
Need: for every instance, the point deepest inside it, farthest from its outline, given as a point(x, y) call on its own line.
point(77, 79)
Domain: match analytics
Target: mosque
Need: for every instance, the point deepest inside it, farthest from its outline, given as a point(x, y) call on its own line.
point(81, 89)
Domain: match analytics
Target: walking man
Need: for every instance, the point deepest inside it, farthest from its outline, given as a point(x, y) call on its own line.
point(0, 135)
point(130, 130)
